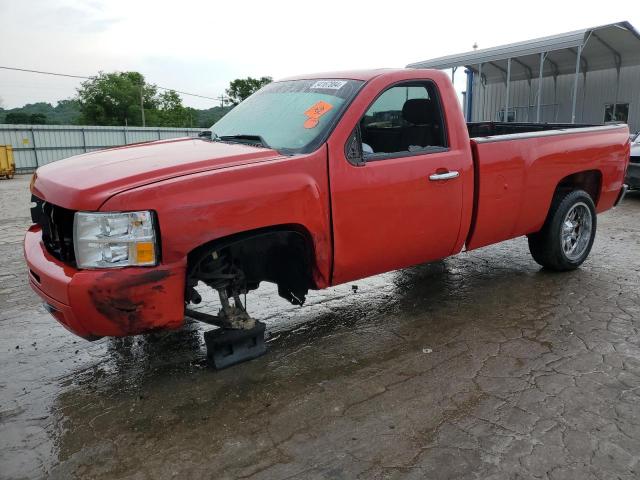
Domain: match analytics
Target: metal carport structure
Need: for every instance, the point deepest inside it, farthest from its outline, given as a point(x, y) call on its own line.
point(606, 47)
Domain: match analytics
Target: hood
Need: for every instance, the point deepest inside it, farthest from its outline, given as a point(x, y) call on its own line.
point(85, 182)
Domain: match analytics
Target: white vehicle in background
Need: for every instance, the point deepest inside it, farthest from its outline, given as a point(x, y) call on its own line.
point(633, 172)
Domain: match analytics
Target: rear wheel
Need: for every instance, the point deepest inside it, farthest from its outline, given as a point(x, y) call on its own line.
point(568, 233)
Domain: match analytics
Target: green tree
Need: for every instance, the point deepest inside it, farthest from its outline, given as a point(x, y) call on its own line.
point(17, 118)
point(66, 112)
point(171, 112)
point(241, 88)
point(114, 99)
point(206, 118)
point(38, 119)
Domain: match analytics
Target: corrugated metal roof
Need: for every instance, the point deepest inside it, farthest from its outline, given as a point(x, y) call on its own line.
point(603, 47)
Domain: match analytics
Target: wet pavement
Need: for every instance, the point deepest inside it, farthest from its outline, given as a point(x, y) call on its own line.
point(480, 366)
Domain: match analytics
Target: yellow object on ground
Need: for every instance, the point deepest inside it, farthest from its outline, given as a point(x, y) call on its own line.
point(7, 165)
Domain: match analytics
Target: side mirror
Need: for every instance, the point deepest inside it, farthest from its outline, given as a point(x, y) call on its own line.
point(205, 134)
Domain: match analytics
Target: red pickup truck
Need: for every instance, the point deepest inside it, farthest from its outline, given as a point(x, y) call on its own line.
point(312, 181)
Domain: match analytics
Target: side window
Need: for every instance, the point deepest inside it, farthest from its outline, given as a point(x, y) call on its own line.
point(621, 112)
point(405, 118)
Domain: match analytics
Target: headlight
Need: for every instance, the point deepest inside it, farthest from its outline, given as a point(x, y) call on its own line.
point(107, 240)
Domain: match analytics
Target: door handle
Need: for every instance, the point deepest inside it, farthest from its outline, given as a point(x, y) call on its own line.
point(443, 176)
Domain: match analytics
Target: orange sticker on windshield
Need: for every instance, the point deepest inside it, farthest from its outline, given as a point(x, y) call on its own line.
point(314, 113)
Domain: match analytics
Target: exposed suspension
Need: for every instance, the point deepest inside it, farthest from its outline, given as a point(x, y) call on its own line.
point(218, 272)
point(240, 337)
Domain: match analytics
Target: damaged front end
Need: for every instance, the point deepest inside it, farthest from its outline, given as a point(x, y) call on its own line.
point(97, 303)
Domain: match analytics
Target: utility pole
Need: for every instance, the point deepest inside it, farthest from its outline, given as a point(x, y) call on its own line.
point(142, 104)
point(222, 99)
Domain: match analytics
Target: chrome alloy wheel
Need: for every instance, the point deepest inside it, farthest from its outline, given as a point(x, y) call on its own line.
point(575, 234)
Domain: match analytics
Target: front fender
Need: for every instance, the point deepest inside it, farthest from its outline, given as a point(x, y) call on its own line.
point(199, 208)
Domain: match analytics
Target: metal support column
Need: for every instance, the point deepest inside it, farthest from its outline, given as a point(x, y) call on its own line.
point(506, 102)
point(618, 60)
point(538, 106)
point(468, 107)
point(584, 95)
point(615, 103)
point(575, 85)
point(481, 112)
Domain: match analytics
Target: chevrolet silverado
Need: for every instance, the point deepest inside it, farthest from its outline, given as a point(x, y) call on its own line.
point(312, 181)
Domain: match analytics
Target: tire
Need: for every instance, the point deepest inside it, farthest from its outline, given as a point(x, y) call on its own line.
point(567, 236)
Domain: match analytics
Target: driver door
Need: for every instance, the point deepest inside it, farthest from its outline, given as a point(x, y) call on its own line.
point(402, 204)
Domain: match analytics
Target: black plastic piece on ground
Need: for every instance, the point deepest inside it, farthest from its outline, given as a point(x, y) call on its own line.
point(226, 347)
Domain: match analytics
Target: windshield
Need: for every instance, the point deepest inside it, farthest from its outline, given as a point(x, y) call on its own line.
point(293, 116)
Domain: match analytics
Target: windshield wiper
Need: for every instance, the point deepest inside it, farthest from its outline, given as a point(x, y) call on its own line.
point(253, 140)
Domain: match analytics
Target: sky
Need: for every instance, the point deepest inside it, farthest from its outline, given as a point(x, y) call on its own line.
point(200, 46)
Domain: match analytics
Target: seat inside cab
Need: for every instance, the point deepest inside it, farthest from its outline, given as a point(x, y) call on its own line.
point(404, 118)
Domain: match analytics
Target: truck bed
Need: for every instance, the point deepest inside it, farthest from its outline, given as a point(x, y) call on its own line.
point(490, 129)
point(519, 166)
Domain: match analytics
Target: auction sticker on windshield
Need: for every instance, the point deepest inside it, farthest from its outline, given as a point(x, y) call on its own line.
point(328, 85)
point(315, 112)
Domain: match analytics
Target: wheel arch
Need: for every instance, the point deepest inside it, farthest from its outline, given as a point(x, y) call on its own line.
point(282, 254)
point(588, 180)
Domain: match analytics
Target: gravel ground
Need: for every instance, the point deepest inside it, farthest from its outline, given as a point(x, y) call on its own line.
point(480, 366)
